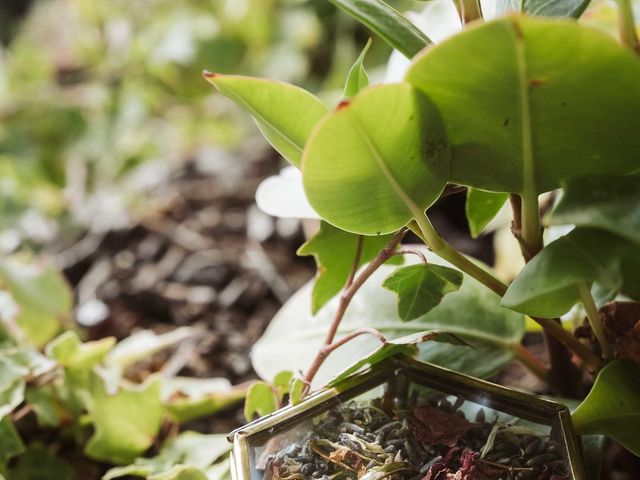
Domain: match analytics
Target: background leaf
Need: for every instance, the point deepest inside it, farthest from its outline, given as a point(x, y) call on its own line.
point(10, 442)
point(126, 422)
point(285, 114)
point(607, 202)
point(376, 163)
point(613, 406)
point(546, 8)
point(43, 295)
point(481, 207)
point(357, 79)
point(388, 23)
point(543, 67)
point(421, 287)
point(294, 335)
point(334, 251)
point(548, 285)
point(261, 400)
point(39, 463)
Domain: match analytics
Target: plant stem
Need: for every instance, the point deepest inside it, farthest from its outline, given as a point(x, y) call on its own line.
point(594, 319)
point(627, 25)
point(428, 235)
point(352, 285)
point(468, 10)
point(530, 361)
point(445, 251)
point(356, 333)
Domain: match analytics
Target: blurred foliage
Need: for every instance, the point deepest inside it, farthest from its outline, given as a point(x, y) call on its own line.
point(91, 91)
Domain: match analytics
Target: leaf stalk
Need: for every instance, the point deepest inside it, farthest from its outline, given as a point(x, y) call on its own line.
point(594, 319)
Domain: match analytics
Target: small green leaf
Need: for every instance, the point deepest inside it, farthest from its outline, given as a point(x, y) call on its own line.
point(126, 422)
point(187, 399)
point(388, 23)
point(378, 161)
point(184, 458)
point(334, 251)
point(357, 79)
point(285, 114)
point(282, 382)
point(261, 400)
point(421, 287)
point(613, 406)
point(606, 202)
point(545, 8)
point(40, 463)
point(43, 295)
point(548, 285)
point(69, 351)
point(45, 403)
point(295, 391)
point(482, 207)
point(10, 442)
point(402, 346)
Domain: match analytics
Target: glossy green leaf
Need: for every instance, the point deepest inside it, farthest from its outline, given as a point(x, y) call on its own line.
point(481, 207)
point(187, 399)
point(294, 335)
point(548, 285)
point(282, 383)
point(613, 406)
point(295, 391)
point(388, 23)
point(261, 400)
point(184, 458)
point(529, 115)
point(421, 287)
point(285, 114)
point(125, 422)
point(544, 8)
point(378, 161)
point(334, 251)
point(43, 296)
point(402, 346)
point(607, 202)
point(10, 442)
point(357, 79)
point(38, 462)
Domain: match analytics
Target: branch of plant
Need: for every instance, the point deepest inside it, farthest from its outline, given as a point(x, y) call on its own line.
point(411, 251)
point(327, 349)
point(594, 319)
point(425, 231)
point(468, 10)
point(352, 285)
point(627, 25)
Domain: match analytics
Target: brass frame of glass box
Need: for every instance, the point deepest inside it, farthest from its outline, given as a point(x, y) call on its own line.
point(526, 406)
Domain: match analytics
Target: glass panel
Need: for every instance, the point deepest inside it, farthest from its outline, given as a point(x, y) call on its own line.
point(417, 433)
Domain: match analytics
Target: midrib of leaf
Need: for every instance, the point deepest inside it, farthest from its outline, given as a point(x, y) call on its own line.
point(528, 172)
point(398, 190)
point(258, 116)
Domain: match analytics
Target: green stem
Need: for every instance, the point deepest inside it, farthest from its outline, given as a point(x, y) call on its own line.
point(627, 25)
point(594, 319)
point(468, 10)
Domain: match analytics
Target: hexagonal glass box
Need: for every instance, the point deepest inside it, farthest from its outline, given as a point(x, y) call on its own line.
point(407, 420)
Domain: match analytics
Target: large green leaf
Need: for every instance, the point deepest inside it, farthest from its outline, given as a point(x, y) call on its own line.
point(387, 22)
point(613, 406)
point(42, 294)
point(545, 8)
point(285, 114)
point(185, 457)
point(378, 161)
point(607, 202)
point(481, 207)
point(548, 285)
point(294, 336)
point(421, 287)
point(335, 251)
point(126, 422)
point(530, 114)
